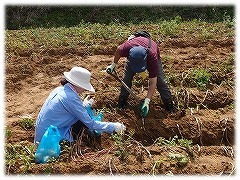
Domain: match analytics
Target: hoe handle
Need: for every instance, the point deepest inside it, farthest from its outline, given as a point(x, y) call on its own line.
point(124, 85)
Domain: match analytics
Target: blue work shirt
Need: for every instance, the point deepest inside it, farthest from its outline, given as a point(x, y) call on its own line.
point(63, 108)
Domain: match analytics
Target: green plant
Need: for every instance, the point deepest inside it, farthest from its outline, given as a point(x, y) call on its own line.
point(170, 28)
point(174, 145)
point(185, 143)
point(166, 58)
point(228, 21)
point(231, 105)
point(206, 34)
point(181, 98)
point(202, 78)
point(170, 142)
point(175, 141)
point(26, 122)
point(19, 156)
point(8, 133)
point(48, 169)
point(122, 142)
point(228, 65)
point(156, 165)
point(181, 160)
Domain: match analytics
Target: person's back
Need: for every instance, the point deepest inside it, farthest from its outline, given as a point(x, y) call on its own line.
point(64, 109)
point(55, 111)
point(133, 66)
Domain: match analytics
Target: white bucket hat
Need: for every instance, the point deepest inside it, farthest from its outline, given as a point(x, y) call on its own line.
point(79, 77)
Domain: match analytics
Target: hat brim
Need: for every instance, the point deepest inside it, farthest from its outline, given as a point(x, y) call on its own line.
point(138, 67)
point(86, 86)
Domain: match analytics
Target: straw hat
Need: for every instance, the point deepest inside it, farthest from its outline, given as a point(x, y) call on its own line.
point(79, 77)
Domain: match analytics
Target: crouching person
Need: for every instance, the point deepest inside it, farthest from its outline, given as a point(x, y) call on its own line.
point(64, 109)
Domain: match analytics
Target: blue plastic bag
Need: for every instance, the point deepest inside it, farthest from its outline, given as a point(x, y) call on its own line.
point(98, 117)
point(49, 145)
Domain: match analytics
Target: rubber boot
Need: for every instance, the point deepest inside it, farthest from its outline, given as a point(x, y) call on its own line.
point(169, 107)
point(122, 102)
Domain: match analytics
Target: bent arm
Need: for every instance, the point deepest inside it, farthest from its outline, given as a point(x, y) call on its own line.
point(117, 56)
point(76, 108)
point(152, 87)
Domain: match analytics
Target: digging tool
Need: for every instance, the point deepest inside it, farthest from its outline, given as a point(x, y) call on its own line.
point(114, 74)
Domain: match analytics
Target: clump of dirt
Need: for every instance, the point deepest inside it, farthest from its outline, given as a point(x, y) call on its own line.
point(206, 117)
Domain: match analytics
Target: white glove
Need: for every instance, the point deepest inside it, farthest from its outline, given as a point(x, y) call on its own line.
point(88, 102)
point(130, 37)
point(110, 68)
point(119, 127)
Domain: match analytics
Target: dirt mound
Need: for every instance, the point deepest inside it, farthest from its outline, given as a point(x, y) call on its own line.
point(205, 118)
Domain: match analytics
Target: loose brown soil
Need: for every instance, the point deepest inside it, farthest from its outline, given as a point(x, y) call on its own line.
point(30, 77)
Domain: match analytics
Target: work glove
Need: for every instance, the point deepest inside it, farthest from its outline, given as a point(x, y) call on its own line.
point(119, 127)
point(145, 107)
point(130, 37)
point(110, 68)
point(88, 102)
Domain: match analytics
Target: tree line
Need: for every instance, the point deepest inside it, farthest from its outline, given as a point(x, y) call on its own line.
point(46, 16)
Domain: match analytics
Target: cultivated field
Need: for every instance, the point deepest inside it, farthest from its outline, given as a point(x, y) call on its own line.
point(198, 60)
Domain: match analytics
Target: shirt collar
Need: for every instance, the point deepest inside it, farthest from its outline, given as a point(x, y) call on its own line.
point(71, 86)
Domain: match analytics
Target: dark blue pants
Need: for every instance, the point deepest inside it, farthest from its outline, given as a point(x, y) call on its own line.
point(162, 86)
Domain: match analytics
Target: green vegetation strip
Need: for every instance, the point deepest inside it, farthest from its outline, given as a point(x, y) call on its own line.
point(99, 36)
